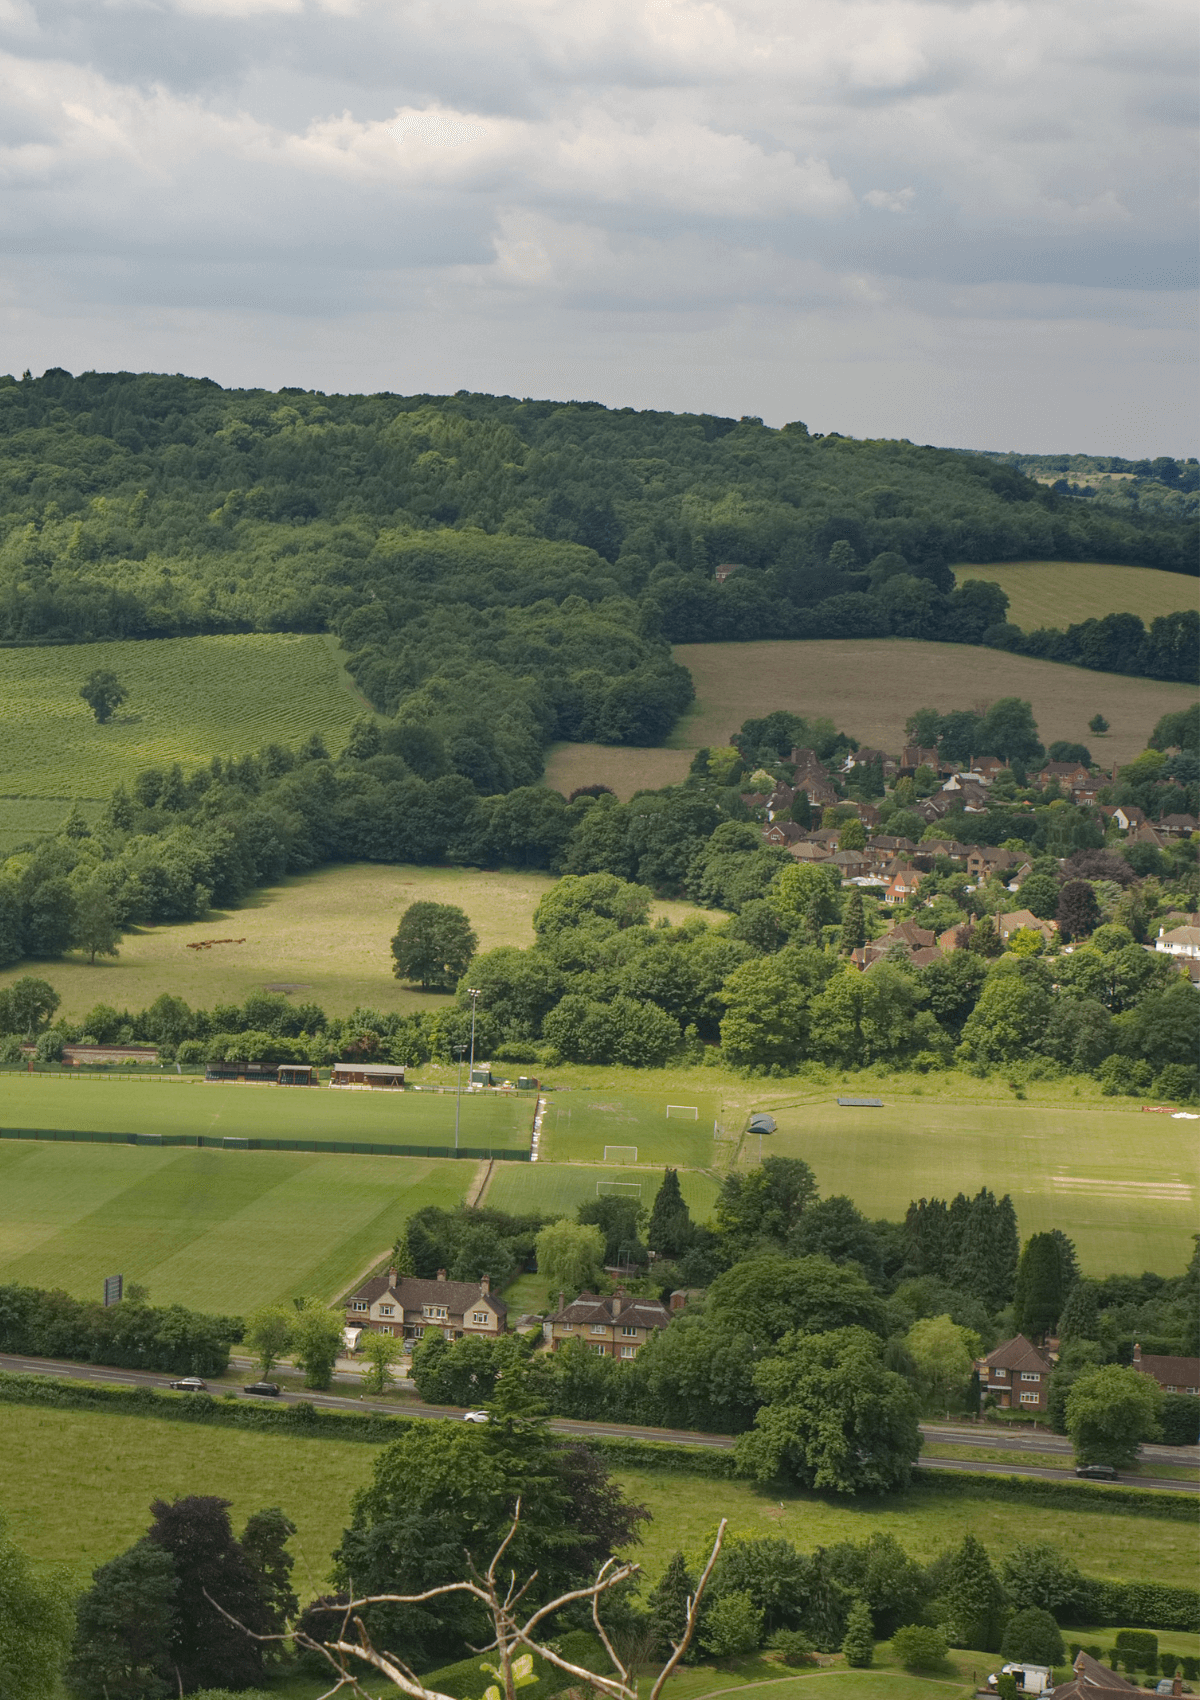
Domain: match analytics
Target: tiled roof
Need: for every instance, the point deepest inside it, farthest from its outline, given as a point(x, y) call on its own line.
point(1018, 1353)
point(412, 1292)
point(1093, 1681)
point(590, 1307)
point(1170, 1372)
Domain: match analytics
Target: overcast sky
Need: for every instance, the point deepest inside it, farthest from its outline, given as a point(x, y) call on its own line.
point(962, 223)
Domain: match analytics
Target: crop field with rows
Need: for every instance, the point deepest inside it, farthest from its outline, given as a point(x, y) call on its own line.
point(189, 699)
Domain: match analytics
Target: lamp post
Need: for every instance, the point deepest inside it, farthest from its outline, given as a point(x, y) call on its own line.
point(474, 997)
point(458, 1051)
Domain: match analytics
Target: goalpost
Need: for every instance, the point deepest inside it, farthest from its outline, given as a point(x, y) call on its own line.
point(689, 1112)
point(620, 1153)
point(619, 1189)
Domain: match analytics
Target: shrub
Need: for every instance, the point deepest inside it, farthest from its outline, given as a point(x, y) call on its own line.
point(795, 1646)
point(918, 1647)
point(858, 1647)
point(732, 1625)
point(1180, 1419)
point(1032, 1634)
point(1139, 1649)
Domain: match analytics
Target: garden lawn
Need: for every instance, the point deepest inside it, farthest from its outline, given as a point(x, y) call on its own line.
point(559, 1189)
point(190, 1105)
point(219, 1231)
point(1120, 1183)
point(686, 1510)
point(323, 937)
point(189, 700)
point(622, 1127)
point(1062, 593)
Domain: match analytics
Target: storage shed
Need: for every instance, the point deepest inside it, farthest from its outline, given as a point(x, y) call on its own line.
point(367, 1074)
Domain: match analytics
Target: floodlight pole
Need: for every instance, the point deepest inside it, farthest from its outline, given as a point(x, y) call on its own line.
point(474, 997)
point(459, 1049)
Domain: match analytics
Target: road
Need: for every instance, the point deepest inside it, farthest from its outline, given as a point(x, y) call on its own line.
point(945, 1434)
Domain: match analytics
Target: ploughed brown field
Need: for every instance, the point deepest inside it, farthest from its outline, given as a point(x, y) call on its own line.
point(869, 687)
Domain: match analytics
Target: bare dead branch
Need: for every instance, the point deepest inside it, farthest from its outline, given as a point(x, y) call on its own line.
point(693, 1612)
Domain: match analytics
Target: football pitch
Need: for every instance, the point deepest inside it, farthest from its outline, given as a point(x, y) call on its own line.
point(185, 1105)
point(558, 1189)
point(219, 1231)
point(619, 1127)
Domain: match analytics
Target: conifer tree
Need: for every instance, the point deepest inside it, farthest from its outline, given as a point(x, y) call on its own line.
point(1045, 1275)
point(972, 1599)
point(670, 1230)
point(264, 1541)
point(668, 1604)
point(854, 925)
point(858, 1644)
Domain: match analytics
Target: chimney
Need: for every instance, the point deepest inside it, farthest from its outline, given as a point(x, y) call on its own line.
point(561, 1301)
point(393, 1276)
point(1177, 1685)
point(485, 1286)
point(441, 1274)
point(1137, 1353)
point(619, 1298)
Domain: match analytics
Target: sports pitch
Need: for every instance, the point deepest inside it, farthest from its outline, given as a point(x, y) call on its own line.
point(1121, 1184)
point(559, 1189)
point(220, 1231)
point(183, 1105)
point(619, 1127)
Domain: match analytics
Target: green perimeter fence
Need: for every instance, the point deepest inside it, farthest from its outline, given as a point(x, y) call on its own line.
point(342, 1148)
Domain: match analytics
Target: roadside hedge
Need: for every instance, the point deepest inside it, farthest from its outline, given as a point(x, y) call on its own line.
point(128, 1335)
point(1152, 1604)
point(1081, 1496)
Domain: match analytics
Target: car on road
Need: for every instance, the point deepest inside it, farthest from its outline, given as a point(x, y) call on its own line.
point(1096, 1472)
point(476, 1417)
point(267, 1389)
point(190, 1384)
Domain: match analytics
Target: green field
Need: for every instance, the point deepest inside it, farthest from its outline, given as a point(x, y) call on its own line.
point(1121, 1184)
point(1061, 593)
point(221, 1231)
point(188, 1104)
point(189, 699)
point(621, 1127)
point(560, 1188)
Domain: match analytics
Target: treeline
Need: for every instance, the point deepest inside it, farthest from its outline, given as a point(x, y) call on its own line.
point(130, 1335)
point(505, 573)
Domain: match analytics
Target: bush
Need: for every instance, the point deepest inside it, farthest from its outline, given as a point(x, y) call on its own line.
point(1178, 1081)
point(858, 1647)
point(732, 1626)
point(918, 1647)
point(1032, 1634)
point(1180, 1419)
point(795, 1646)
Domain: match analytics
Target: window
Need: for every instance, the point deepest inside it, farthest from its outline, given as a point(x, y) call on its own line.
point(600, 1351)
point(567, 1327)
point(632, 1331)
point(439, 1310)
point(1030, 1375)
point(999, 1374)
point(360, 1304)
point(629, 1351)
point(386, 1330)
point(419, 1332)
point(599, 1328)
point(480, 1318)
point(1031, 1398)
point(387, 1310)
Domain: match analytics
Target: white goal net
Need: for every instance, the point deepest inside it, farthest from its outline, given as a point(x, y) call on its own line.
point(688, 1112)
point(620, 1153)
point(619, 1189)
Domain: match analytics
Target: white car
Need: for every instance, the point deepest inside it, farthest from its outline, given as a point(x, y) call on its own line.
point(476, 1417)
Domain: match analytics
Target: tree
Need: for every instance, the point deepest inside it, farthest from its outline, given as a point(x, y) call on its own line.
point(944, 1354)
point(269, 1333)
point(983, 938)
point(854, 923)
point(1037, 1574)
point(1098, 724)
point(1078, 913)
point(733, 1626)
point(264, 1542)
point(433, 944)
point(1045, 1275)
point(97, 927)
point(833, 1417)
point(103, 692)
point(918, 1647)
point(36, 1622)
point(1011, 731)
point(762, 1206)
point(317, 1336)
point(766, 1007)
point(380, 1352)
point(124, 1628)
point(851, 836)
point(618, 1219)
point(1033, 1635)
point(1110, 1412)
point(30, 1003)
point(215, 1577)
point(670, 1231)
point(1039, 895)
point(570, 1256)
point(767, 1295)
point(806, 898)
point(1011, 1013)
point(667, 1604)
point(836, 1229)
point(858, 1646)
point(971, 1601)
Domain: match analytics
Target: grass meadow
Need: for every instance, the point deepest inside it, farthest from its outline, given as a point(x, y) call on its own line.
point(560, 1188)
point(220, 1231)
point(324, 937)
point(631, 1127)
point(1061, 593)
point(189, 699)
point(167, 1104)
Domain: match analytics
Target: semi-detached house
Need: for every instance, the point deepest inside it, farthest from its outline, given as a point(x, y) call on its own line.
point(408, 1307)
point(616, 1326)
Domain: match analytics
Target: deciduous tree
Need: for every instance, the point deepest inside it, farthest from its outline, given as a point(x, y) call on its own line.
point(125, 1625)
point(269, 1333)
point(1110, 1412)
point(433, 944)
point(317, 1336)
point(103, 692)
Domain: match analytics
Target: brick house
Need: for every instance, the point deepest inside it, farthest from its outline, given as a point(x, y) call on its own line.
point(1016, 919)
point(1067, 773)
point(616, 1326)
point(1017, 1375)
point(1173, 1375)
point(782, 832)
point(406, 1305)
point(984, 860)
point(1178, 826)
point(1094, 1681)
point(914, 756)
point(902, 886)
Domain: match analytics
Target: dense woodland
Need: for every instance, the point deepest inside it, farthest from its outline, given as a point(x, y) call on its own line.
point(507, 572)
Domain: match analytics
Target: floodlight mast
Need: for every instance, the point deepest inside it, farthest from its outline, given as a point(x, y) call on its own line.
point(458, 1051)
point(474, 997)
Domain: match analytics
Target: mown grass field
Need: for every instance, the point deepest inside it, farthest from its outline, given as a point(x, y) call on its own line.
point(57, 1511)
point(1121, 1184)
point(560, 1188)
point(221, 1231)
point(189, 699)
point(168, 1104)
point(323, 937)
point(1061, 593)
point(625, 1127)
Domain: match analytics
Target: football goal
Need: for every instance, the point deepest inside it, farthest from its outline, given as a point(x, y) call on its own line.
point(619, 1189)
point(689, 1112)
point(620, 1153)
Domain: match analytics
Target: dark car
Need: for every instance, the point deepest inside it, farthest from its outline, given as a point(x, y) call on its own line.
point(268, 1389)
point(1097, 1472)
point(190, 1384)
point(762, 1124)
